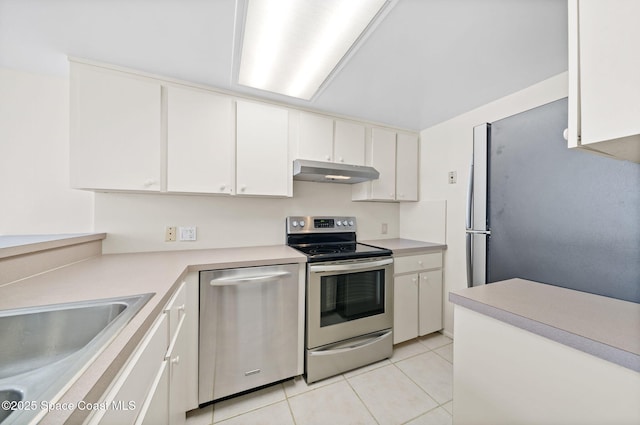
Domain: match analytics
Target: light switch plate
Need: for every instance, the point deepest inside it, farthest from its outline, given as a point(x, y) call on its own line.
point(187, 233)
point(453, 177)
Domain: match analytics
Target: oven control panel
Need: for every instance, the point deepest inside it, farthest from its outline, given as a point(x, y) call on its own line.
point(320, 224)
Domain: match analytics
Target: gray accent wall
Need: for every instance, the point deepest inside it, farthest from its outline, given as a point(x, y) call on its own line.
point(561, 216)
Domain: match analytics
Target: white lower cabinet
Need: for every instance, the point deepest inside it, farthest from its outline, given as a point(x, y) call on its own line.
point(417, 296)
point(152, 386)
point(155, 410)
point(129, 392)
point(405, 307)
point(177, 376)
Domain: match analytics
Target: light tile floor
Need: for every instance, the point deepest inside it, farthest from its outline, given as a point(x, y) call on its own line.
point(413, 387)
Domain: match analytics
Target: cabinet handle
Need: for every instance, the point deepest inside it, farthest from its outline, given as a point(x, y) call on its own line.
point(341, 159)
point(414, 280)
point(243, 188)
point(425, 278)
point(420, 262)
point(149, 182)
point(175, 360)
point(223, 187)
point(328, 158)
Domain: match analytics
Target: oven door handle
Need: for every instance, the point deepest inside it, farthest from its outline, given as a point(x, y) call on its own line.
point(349, 267)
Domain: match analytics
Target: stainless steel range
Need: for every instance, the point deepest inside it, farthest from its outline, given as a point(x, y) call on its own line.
point(349, 311)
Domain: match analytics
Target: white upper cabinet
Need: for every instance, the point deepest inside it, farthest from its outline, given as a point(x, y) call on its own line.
point(604, 77)
point(200, 142)
point(349, 143)
point(395, 156)
point(319, 139)
point(115, 130)
point(262, 161)
point(315, 137)
point(407, 167)
point(136, 132)
point(382, 154)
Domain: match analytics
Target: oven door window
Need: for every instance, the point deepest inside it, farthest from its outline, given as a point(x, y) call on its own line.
point(351, 296)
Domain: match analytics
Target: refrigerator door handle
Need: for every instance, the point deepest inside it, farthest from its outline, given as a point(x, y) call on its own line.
point(469, 195)
point(469, 262)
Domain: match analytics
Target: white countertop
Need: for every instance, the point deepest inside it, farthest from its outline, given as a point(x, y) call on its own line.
point(401, 246)
point(11, 245)
point(118, 275)
point(604, 327)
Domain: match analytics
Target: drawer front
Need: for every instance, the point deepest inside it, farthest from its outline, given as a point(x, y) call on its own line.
point(414, 263)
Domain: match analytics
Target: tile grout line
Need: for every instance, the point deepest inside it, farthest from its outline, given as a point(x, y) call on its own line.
point(418, 385)
point(293, 417)
point(358, 395)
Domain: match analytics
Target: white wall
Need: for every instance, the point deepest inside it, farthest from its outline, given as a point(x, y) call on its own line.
point(136, 222)
point(34, 158)
point(448, 147)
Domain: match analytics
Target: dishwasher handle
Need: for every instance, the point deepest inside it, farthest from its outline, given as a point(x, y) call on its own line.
point(230, 281)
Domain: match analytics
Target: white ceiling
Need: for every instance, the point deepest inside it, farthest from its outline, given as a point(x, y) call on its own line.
point(429, 60)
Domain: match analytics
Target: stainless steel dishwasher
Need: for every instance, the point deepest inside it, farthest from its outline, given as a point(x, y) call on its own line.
point(248, 329)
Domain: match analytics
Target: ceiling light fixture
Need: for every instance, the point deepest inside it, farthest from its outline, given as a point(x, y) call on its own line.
point(292, 46)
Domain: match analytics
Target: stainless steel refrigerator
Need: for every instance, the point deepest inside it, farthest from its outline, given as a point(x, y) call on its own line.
point(540, 211)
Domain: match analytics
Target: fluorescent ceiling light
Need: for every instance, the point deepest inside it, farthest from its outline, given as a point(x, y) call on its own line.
point(292, 46)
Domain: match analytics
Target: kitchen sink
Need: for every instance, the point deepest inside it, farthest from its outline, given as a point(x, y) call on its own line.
point(10, 396)
point(44, 348)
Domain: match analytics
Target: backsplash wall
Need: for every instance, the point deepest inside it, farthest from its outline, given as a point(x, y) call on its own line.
point(137, 222)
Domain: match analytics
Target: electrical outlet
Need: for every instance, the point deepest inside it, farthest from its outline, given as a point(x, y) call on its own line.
point(453, 177)
point(384, 228)
point(187, 233)
point(170, 234)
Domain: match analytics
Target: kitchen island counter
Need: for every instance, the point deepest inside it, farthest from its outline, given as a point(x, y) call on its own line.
point(528, 352)
point(604, 327)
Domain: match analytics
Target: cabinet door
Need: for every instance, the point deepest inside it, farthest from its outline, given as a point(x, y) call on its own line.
point(155, 410)
point(191, 323)
point(178, 370)
point(315, 138)
point(383, 159)
point(430, 317)
point(115, 130)
point(200, 145)
point(407, 167)
point(405, 308)
point(262, 161)
point(609, 67)
point(137, 378)
point(349, 143)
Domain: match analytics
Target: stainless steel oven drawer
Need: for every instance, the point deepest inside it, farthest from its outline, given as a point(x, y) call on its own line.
point(332, 359)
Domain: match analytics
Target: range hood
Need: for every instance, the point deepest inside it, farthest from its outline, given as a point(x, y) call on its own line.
point(330, 172)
